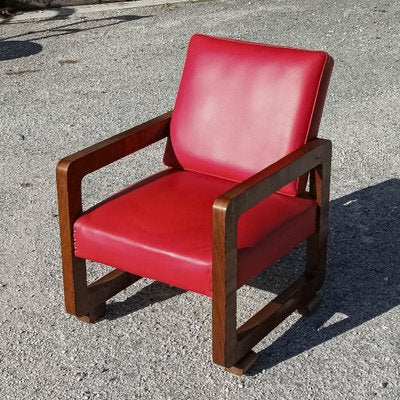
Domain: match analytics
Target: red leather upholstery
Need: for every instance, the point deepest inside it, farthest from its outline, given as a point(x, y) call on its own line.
point(161, 229)
point(242, 106)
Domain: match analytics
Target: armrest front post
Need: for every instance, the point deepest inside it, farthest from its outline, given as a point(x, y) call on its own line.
point(228, 346)
point(224, 283)
point(70, 172)
point(74, 268)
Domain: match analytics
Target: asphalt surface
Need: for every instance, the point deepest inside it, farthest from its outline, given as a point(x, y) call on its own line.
point(67, 83)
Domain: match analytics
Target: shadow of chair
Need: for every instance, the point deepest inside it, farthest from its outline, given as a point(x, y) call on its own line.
point(155, 292)
point(362, 281)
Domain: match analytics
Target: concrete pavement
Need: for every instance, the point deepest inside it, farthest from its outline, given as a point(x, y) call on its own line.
point(70, 81)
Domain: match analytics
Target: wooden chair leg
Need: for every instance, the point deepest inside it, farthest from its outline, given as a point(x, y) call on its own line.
point(236, 354)
point(95, 314)
point(311, 306)
point(315, 269)
point(76, 295)
point(233, 346)
point(88, 303)
point(244, 364)
point(317, 242)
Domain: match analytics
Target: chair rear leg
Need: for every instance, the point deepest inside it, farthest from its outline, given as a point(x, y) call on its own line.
point(244, 364)
point(316, 265)
point(317, 242)
point(311, 306)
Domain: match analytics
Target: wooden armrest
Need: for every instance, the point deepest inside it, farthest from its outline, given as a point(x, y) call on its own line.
point(79, 164)
point(72, 169)
point(81, 300)
point(266, 182)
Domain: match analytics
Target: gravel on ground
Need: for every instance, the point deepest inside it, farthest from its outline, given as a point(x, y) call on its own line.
point(71, 81)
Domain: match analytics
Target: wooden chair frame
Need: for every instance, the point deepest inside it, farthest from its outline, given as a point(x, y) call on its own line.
point(88, 302)
point(231, 346)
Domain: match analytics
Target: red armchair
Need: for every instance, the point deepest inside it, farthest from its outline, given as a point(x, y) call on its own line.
point(233, 200)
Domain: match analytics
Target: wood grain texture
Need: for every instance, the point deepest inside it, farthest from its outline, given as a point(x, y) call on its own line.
point(224, 286)
point(107, 151)
point(96, 312)
point(81, 300)
point(312, 305)
point(109, 285)
point(244, 364)
point(230, 345)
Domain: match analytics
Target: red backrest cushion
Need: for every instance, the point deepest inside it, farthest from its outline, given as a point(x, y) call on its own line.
point(242, 106)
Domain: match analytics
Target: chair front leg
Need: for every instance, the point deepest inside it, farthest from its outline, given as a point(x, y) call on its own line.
point(76, 295)
point(86, 302)
point(224, 283)
point(226, 347)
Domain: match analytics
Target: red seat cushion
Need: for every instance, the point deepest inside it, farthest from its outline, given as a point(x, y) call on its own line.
point(242, 106)
point(162, 229)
